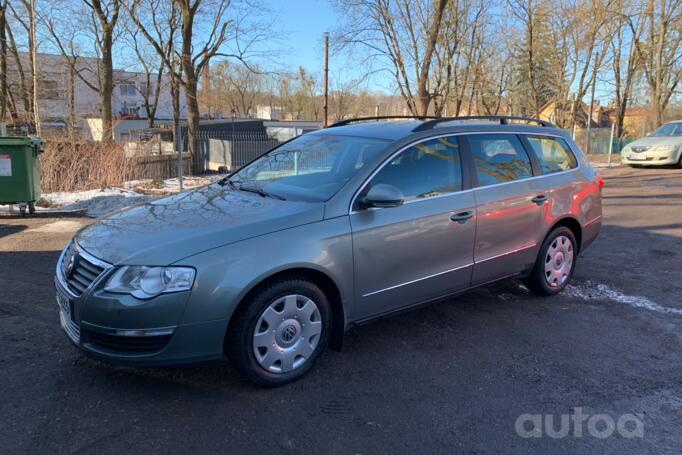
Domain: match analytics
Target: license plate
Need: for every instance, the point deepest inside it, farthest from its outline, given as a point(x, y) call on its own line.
point(637, 158)
point(65, 304)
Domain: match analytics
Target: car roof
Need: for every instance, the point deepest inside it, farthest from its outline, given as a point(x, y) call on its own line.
point(400, 129)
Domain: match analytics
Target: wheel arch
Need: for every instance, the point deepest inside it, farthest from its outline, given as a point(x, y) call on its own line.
point(330, 288)
point(571, 223)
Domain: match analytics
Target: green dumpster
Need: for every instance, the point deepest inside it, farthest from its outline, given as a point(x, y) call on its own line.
point(20, 172)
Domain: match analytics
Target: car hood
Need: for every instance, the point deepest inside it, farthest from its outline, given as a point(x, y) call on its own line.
point(168, 229)
point(652, 141)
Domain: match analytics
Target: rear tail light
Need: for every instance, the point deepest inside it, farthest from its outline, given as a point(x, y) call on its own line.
point(599, 180)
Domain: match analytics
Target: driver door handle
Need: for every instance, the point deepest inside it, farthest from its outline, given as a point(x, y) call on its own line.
point(540, 199)
point(462, 217)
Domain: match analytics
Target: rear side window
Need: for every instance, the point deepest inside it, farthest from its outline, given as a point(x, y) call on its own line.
point(499, 158)
point(426, 169)
point(553, 154)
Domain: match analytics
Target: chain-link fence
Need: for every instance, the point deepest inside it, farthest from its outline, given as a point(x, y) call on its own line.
point(599, 140)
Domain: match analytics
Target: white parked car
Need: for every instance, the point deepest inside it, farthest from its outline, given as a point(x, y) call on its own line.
point(662, 147)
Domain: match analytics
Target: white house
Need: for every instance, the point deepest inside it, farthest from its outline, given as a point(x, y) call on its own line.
point(61, 93)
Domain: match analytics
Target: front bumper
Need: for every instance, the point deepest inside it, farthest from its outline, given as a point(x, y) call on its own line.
point(651, 158)
point(120, 329)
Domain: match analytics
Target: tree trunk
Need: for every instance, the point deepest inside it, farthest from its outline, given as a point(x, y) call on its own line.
point(192, 121)
point(190, 86)
point(33, 49)
point(3, 64)
point(175, 102)
point(107, 85)
point(72, 101)
point(24, 88)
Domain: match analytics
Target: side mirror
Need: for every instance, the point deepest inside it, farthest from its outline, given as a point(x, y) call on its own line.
point(383, 196)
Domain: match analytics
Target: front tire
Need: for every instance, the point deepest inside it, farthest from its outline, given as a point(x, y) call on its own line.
point(280, 331)
point(555, 263)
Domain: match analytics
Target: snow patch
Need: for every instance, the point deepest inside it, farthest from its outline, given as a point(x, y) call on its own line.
point(596, 291)
point(58, 227)
point(95, 203)
point(171, 185)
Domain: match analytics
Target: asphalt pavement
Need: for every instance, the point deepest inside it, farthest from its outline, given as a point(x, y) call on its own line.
point(456, 377)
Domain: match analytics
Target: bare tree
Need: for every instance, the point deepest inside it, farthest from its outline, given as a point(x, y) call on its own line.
point(159, 22)
point(660, 51)
point(233, 87)
point(3, 60)
point(458, 54)
point(591, 41)
point(532, 15)
point(152, 69)
point(103, 17)
point(33, 50)
point(404, 33)
point(625, 61)
point(195, 56)
point(21, 16)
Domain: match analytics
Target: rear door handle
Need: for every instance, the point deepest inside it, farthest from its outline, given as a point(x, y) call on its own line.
point(540, 199)
point(462, 217)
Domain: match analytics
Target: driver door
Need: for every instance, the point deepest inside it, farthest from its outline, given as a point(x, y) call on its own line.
point(414, 252)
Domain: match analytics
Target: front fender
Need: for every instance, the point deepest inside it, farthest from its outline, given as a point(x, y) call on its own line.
point(226, 274)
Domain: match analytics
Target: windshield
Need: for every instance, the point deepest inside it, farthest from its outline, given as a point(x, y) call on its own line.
point(312, 167)
point(669, 129)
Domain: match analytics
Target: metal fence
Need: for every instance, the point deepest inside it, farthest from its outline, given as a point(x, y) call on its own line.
point(159, 167)
point(227, 151)
point(599, 139)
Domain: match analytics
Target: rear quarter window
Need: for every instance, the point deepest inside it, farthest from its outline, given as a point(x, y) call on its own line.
point(553, 154)
point(499, 158)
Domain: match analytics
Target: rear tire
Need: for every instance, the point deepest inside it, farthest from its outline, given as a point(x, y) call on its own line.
point(555, 263)
point(278, 334)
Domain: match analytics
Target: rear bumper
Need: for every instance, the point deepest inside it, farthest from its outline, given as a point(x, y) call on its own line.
point(590, 232)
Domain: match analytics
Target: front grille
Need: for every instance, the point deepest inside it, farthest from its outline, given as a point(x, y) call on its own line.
point(640, 149)
point(78, 271)
point(127, 344)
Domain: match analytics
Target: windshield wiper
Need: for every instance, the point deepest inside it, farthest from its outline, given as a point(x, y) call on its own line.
point(228, 182)
point(259, 191)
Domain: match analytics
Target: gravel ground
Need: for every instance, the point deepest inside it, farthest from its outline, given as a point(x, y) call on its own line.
point(452, 377)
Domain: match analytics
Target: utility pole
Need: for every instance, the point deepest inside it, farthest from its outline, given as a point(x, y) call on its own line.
point(588, 148)
point(326, 78)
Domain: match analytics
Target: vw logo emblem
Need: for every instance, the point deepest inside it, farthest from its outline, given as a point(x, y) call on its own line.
point(70, 266)
point(289, 333)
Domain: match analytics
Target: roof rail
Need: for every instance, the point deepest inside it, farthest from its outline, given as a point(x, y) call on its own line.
point(503, 119)
point(382, 117)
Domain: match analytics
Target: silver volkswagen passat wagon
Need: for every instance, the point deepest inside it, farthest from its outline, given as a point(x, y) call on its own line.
point(334, 228)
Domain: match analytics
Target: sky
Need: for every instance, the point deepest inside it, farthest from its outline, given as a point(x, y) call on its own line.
point(304, 23)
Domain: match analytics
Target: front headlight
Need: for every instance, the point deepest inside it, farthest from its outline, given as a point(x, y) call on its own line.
point(147, 282)
point(666, 148)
